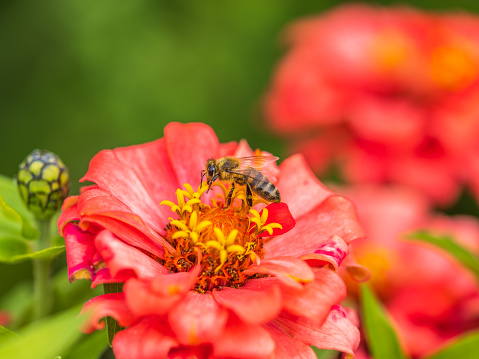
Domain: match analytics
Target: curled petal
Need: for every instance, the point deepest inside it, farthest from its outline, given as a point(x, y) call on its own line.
point(148, 339)
point(69, 213)
point(122, 257)
point(251, 306)
point(358, 272)
point(103, 276)
point(197, 319)
point(278, 213)
point(289, 270)
point(332, 252)
point(98, 206)
point(106, 305)
point(241, 340)
point(80, 250)
point(336, 333)
point(315, 299)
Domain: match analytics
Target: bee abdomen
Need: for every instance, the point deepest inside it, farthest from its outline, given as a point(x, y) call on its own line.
point(263, 187)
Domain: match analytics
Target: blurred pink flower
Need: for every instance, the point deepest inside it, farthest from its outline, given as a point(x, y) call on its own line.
point(210, 282)
point(430, 296)
point(386, 94)
point(5, 318)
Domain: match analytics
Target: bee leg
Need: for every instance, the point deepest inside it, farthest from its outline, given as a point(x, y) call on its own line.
point(202, 176)
point(249, 195)
point(230, 195)
point(210, 183)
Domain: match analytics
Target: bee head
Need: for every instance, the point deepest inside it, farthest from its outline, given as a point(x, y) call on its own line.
point(210, 169)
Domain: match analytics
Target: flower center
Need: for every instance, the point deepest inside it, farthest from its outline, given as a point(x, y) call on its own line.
point(454, 66)
point(224, 241)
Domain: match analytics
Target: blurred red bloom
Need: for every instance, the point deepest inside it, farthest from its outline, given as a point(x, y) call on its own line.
point(387, 94)
point(5, 318)
point(430, 296)
point(211, 281)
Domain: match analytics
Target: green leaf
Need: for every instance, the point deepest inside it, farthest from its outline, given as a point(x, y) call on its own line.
point(381, 338)
point(14, 250)
point(111, 324)
point(464, 256)
point(5, 332)
point(11, 248)
point(14, 212)
point(89, 346)
point(465, 347)
point(18, 303)
point(45, 339)
point(325, 354)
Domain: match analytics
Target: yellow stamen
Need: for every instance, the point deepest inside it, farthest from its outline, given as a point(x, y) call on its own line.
point(220, 238)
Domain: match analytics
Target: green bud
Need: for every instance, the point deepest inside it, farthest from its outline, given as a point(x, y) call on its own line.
point(43, 182)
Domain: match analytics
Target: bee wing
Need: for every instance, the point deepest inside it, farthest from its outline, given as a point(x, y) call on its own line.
point(245, 172)
point(256, 162)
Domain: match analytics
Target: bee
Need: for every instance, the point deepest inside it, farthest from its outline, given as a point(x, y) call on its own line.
point(244, 171)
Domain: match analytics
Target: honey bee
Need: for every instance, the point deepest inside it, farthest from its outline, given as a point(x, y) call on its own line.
point(242, 171)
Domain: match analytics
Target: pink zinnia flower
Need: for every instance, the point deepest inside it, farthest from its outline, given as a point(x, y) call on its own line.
point(429, 295)
point(387, 94)
point(200, 280)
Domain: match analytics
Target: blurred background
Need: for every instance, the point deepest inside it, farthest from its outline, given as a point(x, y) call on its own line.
point(79, 76)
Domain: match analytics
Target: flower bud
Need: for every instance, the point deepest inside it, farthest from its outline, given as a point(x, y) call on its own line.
point(43, 182)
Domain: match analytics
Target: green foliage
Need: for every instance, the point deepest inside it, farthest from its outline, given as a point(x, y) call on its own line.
point(325, 354)
point(16, 230)
point(464, 347)
point(89, 346)
point(381, 337)
point(5, 332)
point(14, 217)
point(112, 325)
point(44, 339)
point(463, 255)
point(16, 253)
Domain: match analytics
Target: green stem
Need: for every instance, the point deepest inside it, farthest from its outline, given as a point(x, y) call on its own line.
point(41, 273)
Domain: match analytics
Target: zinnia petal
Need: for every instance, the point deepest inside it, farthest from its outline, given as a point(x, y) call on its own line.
point(252, 306)
point(315, 299)
point(145, 170)
point(278, 213)
point(299, 187)
point(197, 319)
point(80, 248)
point(188, 160)
point(98, 206)
point(289, 270)
point(240, 340)
point(332, 252)
point(334, 216)
point(69, 213)
point(149, 339)
point(288, 347)
point(160, 294)
point(336, 333)
point(106, 305)
point(122, 257)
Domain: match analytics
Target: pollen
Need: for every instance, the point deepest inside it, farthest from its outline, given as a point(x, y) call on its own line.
point(224, 240)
